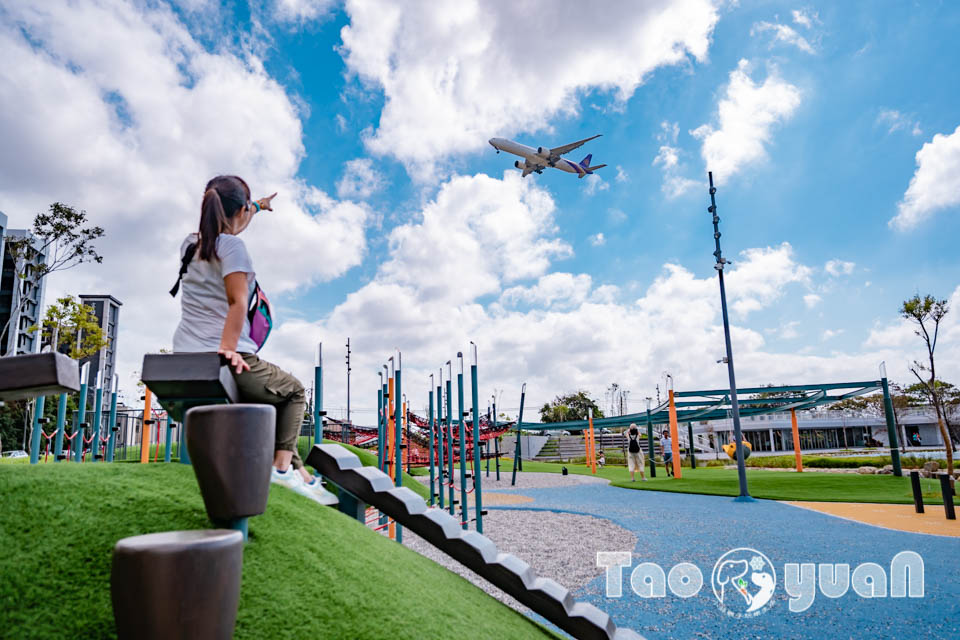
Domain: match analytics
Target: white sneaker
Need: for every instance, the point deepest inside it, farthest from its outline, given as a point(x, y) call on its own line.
point(315, 491)
point(290, 478)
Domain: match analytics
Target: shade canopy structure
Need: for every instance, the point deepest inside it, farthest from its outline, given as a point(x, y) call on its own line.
point(714, 404)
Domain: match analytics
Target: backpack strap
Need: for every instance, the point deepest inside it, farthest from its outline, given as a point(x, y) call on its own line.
point(184, 263)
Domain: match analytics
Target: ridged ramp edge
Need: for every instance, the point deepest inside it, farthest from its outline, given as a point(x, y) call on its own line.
point(475, 551)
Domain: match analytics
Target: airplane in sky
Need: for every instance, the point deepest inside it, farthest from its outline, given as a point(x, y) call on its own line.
point(540, 158)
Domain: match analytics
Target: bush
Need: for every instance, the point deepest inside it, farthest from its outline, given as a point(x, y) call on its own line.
point(837, 462)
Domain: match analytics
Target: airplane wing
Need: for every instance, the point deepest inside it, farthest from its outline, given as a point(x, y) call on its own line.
point(567, 148)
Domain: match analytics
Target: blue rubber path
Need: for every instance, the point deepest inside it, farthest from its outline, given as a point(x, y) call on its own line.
point(675, 527)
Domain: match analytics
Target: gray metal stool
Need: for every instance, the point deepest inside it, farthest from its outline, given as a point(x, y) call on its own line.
point(177, 584)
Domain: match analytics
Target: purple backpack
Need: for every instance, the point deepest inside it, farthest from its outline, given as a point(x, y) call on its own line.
point(258, 307)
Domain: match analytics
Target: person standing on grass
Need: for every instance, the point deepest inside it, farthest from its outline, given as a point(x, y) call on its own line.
point(221, 300)
point(634, 454)
point(666, 449)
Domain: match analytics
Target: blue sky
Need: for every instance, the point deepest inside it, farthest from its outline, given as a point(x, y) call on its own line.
point(399, 226)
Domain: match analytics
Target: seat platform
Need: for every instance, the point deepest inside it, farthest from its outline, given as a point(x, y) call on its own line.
point(38, 374)
point(184, 380)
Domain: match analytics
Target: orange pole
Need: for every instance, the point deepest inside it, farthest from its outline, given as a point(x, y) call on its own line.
point(796, 440)
point(145, 430)
point(674, 442)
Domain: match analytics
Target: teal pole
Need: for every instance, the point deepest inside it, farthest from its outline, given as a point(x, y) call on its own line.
point(384, 418)
point(61, 426)
point(450, 436)
point(112, 422)
point(477, 479)
point(464, 511)
point(653, 465)
point(440, 487)
point(168, 443)
point(81, 414)
point(891, 425)
point(432, 426)
point(35, 438)
point(380, 415)
point(496, 440)
point(516, 453)
point(97, 419)
point(398, 422)
point(318, 397)
point(487, 445)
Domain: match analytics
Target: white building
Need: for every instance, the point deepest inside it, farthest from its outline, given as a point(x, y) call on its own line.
point(15, 289)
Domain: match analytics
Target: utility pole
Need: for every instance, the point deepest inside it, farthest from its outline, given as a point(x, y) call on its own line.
point(734, 406)
point(346, 435)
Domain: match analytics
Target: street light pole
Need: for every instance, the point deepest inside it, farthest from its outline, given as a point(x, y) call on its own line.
point(735, 407)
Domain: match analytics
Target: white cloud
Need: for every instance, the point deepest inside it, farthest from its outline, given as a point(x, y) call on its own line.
point(895, 121)
point(301, 10)
point(668, 158)
point(935, 184)
point(804, 19)
point(838, 268)
point(341, 123)
point(360, 180)
point(598, 240)
point(131, 129)
point(830, 333)
point(621, 174)
point(812, 300)
point(746, 117)
point(616, 216)
point(552, 290)
point(782, 33)
point(455, 74)
point(788, 331)
point(594, 184)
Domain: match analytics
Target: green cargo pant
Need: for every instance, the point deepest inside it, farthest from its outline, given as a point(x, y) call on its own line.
point(266, 383)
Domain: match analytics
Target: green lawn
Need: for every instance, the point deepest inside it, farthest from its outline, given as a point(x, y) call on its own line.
point(308, 571)
point(811, 486)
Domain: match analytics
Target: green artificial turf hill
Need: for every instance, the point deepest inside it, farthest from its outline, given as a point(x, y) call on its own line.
point(308, 570)
point(811, 486)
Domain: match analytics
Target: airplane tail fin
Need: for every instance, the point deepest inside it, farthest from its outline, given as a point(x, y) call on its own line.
point(585, 163)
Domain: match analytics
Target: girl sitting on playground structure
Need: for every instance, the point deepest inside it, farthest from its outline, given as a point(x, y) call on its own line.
point(218, 286)
point(634, 454)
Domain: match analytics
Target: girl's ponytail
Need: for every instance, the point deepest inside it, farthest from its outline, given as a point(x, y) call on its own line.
point(211, 213)
point(224, 198)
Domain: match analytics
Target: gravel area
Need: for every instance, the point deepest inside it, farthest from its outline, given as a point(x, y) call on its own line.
point(560, 546)
point(526, 480)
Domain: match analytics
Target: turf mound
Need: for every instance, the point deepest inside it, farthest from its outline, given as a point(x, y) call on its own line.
point(308, 571)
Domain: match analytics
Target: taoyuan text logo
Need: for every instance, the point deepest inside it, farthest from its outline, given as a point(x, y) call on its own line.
point(744, 580)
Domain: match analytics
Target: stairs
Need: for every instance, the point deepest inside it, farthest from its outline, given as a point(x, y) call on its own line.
point(474, 551)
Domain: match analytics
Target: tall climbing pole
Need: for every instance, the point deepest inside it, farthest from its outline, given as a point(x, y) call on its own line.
point(516, 454)
point(450, 484)
point(734, 405)
point(477, 488)
point(431, 427)
point(398, 434)
point(440, 440)
point(464, 510)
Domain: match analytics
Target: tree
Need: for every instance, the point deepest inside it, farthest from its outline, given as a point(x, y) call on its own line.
point(70, 323)
point(950, 397)
point(927, 313)
point(62, 236)
point(572, 406)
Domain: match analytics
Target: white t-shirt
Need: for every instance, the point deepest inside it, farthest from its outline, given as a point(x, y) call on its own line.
point(667, 445)
point(203, 296)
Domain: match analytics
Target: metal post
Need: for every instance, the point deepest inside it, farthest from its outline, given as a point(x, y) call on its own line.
point(440, 483)
point(61, 426)
point(81, 414)
point(891, 424)
point(947, 491)
point(734, 405)
point(798, 457)
point(691, 451)
point(432, 474)
point(398, 435)
point(674, 431)
point(97, 418)
point(450, 436)
point(496, 439)
point(516, 455)
point(348, 381)
point(917, 491)
point(486, 448)
point(381, 432)
point(318, 397)
point(653, 464)
point(477, 488)
point(112, 421)
point(461, 431)
point(37, 428)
